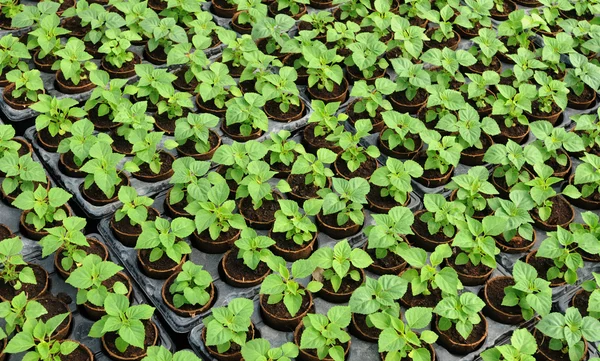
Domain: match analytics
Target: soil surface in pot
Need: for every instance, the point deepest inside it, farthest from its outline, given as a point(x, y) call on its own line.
point(132, 351)
point(384, 202)
point(348, 284)
point(476, 335)
point(313, 352)
point(516, 242)
point(542, 265)
point(469, 268)
point(80, 354)
point(331, 220)
point(544, 346)
point(189, 147)
point(421, 300)
point(287, 244)
point(186, 307)
point(364, 171)
point(586, 96)
point(495, 294)
point(239, 271)
point(165, 166)
point(49, 139)
point(8, 291)
point(280, 311)
point(54, 307)
point(121, 145)
point(96, 193)
point(223, 236)
point(421, 229)
point(272, 107)
point(94, 248)
point(164, 263)
point(561, 211)
point(5, 232)
point(480, 67)
point(318, 141)
point(69, 161)
point(326, 94)
point(109, 283)
point(299, 187)
point(103, 121)
point(390, 260)
point(361, 323)
point(581, 301)
point(124, 225)
point(400, 97)
point(264, 213)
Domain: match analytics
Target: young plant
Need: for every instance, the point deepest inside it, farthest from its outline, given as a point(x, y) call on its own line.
point(7, 143)
point(275, 30)
point(475, 243)
point(449, 62)
point(376, 297)
point(16, 311)
point(366, 54)
point(515, 216)
point(56, 115)
point(296, 225)
point(107, 97)
point(133, 117)
point(70, 238)
point(147, 151)
point(323, 69)
point(444, 18)
point(371, 97)
point(125, 320)
point(74, 64)
point(81, 141)
point(340, 262)
point(568, 332)
point(134, 207)
point(102, 170)
point(399, 128)
point(116, 45)
point(165, 33)
point(442, 215)
point(522, 347)
point(191, 286)
point(395, 178)
point(551, 93)
point(512, 104)
point(462, 312)
point(283, 285)
point(253, 249)
point(260, 349)
point(28, 83)
point(510, 160)
point(313, 167)
point(175, 104)
point(387, 235)
point(45, 207)
point(411, 79)
point(256, 184)
point(22, 173)
point(188, 180)
point(217, 85)
point(583, 74)
point(12, 53)
point(443, 153)
point(46, 36)
point(89, 277)
point(195, 128)
point(282, 149)
point(488, 45)
point(229, 324)
point(346, 201)
point(326, 118)
point(237, 156)
point(473, 189)
point(400, 340)
point(424, 277)
point(354, 154)
point(165, 238)
point(246, 113)
point(326, 334)
point(153, 84)
point(553, 142)
point(517, 30)
point(282, 88)
point(408, 39)
point(161, 353)
point(531, 293)
point(477, 90)
point(15, 272)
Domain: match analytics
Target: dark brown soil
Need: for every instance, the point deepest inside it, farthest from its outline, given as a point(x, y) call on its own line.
point(542, 265)
point(49, 139)
point(313, 351)
point(73, 24)
point(54, 308)
point(441, 45)
point(158, 54)
point(82, 83)
point(124, 225)
point(8, 291)
point(469, 268)
point(516, 130)
point(561, 211)
point(265, 213)
point(420, 228)
point(132, 351)
point(365, 170)
point(223, 236)
point(348, 284)
point(326, 94)
point(495, 294)
point(535, 109)
point(237, 270)
point(476, 335)
point(235, 129)
point(361, 323)
point(286, 244)
point(507, 9)
point(224, 4)
point(479, 67)
point(516, 242)
point(164, 263)
point(186, 307)
point(166, 124)
point(22, 100)
point(96, 193)
point(390, 260)
point(94, 248)
point(272, 107)
point(279, 309)
point(69, 161)
point(5, 232)
point(165, 166)
point(421, 300)
point(402, 148)
point(80, 354)
point(586, 96)
point(109, 283)
point(181, 83)
point(331, 220)
point(318, 141)
point(384, 202)
point(429, 173)
point(189, 147)
point(486, 143)
point(180, 206)
point(121, 145)
point(400, 97)
point(129, 66)
point(581, 301)
point(544, 346)
point(364, 115)
point(100, 121)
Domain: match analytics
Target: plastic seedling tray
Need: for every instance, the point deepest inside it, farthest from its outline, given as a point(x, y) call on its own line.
point(81, 325)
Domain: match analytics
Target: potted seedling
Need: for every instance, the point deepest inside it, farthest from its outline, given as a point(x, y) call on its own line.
point(473, 190)
point(258, 71)
point(326, 80)
point(554, 144)
point(583, 81)
point(70, 246)
point(510, 160)
point(586, 181)
point(259, 349)
point(127, 221)
point(478, 94)
point(370, 102)
point(244, 119)
point(130, 117)
point(103, 179)
point(45, 39)
point(282, 287)
point(73, 68)
point(551, 208)
point(342, 213)
point(161, 248)
point(150, 164)
point(281, 95)
point(391, 184)
point(441, 36)
point(373, 301)
point(355, 160)
point(190, 291)
point(323, 122)
point(428, 281)
point(365, 61)
point(193, 63)
point(310, 174)
point(105, 100)
point(195, 137)
point(56, 117)
point(518, 235)
point(126, 330)
point(250, 12)
point(511, 104)
point(245, 264)
point(436, 224)
point(283, 152)
point(447, 65)
point(188, 179)
point(516, 32)
point(75, 150)
point(161, 353)
point(172, 107)
point(550, 100)
point(154, 85)
point(527, 62)
point(226, 345)
point(488, 46)
point(36, 341)
point(351, 10)
point(164, 34)
point(19, 276)
point(511, 300)
point(522, 346)
point(42, 208)
point(440, 158)
point(582, 230)
point(341, 35)
point(412, 345)
point(339, 282)
point(408, 40)
point(400, 138)
point(22, 174)
point(9, 145)
point(411, 83)
point(474, 257)
point(386, 240)
point(566, 334)
point(95, 279)
point(234, 159)
point(215, 88)
point(294, 233)
point(13, 54)
point(118, 61)
point(461, 314)
point(324, 337)
point(24, 87)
